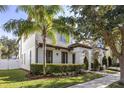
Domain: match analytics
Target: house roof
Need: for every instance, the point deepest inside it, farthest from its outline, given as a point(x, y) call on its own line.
point(79, 45)
point(54, 46)
point(70, 47)
point(102, 48)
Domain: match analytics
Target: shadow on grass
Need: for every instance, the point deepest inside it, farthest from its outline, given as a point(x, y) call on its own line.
point(64, 82)
point(54, 84)
point(17, 78)
point(11, 76)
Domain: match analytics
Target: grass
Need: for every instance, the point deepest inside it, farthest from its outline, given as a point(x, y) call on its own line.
point(116, 85)
point(17, 79)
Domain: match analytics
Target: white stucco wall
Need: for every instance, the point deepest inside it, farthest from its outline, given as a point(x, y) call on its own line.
point(56, 55)
point(27, 46)
point(58, 41)
point(79, 51)
point(56, 58)
point(70, 57)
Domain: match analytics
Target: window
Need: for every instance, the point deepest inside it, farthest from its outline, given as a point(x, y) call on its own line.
point(30, 57)
point(62, 38)
point(49, 56)
point(36, 55)
point(64, 57)
point(73, 58)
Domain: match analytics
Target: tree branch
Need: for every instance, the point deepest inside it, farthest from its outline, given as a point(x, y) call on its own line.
point(110, 41)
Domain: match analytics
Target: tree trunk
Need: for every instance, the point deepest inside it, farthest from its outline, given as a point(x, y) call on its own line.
point(121, 61)
point(44, 54)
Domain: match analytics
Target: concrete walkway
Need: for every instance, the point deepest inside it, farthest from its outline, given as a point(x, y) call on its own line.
point(99, 83)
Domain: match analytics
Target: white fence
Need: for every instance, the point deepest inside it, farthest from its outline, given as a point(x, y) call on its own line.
point(10, 64)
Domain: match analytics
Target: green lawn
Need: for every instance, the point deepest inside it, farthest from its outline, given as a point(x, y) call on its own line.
point(116, 85)
point(17, 78)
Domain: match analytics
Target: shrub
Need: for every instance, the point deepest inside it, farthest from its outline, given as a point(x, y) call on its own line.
point(86, 63)
point(104, 61)
point(109, 61)
point(115, 65)
point(96, 65)
point(101, 68)
point(37, 69)
point(91, 65)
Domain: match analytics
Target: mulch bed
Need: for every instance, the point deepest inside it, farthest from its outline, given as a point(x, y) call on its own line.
point(49, 76)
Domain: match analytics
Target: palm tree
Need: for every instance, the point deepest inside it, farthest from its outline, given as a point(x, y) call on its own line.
point(3, 8)
point(41, 19)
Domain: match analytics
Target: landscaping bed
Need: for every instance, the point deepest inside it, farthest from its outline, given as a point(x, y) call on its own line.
point(110, 71)
point(114, 69)
point(18, 78)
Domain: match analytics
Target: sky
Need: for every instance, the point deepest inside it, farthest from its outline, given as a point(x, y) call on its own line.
point(12, 14)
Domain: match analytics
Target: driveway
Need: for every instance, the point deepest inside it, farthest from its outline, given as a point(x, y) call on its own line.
point(99, 83)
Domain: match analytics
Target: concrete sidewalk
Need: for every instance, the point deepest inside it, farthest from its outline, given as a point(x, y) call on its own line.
point(99, 83)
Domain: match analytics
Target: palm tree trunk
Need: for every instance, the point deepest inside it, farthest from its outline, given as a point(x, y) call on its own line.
point(44, 54)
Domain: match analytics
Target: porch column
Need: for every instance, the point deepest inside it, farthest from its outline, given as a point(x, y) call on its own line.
point(90, 59)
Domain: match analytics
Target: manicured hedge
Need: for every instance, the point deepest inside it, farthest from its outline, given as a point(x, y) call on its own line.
point(37, 69)
point(104, 61)
point(96, 65)
point(109, 61)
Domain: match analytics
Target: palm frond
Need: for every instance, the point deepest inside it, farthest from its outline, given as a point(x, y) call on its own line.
point(67, 38)
point(3, 8)
point(52, 35)
point(53, 9)
point(64, 26)
point(21, 27)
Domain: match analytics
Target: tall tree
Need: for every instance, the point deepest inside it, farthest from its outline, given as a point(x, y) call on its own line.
point(41, 19)
point(106, 23)
point(8, 47)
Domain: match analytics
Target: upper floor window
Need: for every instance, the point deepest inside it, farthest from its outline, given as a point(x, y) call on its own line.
point(62, 38)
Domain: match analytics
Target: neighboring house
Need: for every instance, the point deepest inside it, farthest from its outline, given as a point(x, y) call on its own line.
point(31, 51)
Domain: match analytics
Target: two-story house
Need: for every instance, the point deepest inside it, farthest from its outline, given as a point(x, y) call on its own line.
point(31, 51)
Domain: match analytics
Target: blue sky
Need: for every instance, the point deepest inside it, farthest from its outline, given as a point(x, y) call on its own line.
point(12, 14)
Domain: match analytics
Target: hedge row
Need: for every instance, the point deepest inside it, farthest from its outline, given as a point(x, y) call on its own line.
point(37, 69)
